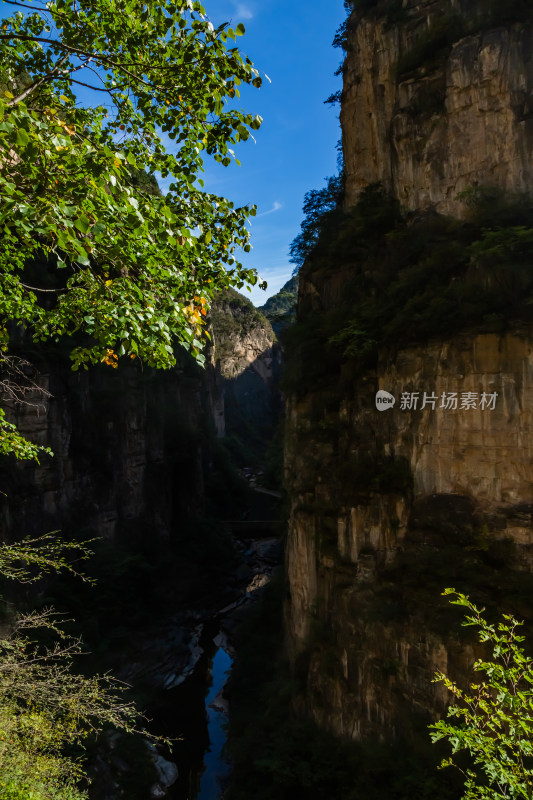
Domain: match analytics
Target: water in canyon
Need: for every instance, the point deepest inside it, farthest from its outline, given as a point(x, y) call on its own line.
point(216, 767)
point(195, 712)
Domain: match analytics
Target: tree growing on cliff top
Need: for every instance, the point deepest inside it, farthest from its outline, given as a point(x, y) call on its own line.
point(493, 720)
point(85, 249)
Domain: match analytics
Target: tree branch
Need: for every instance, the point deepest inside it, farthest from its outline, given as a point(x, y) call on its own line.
point(36, 289)
point(24, 5)
point(76, 51)
point(94, 88)
point(22, 96)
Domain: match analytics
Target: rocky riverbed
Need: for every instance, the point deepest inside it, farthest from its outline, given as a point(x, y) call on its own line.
point(174, 664)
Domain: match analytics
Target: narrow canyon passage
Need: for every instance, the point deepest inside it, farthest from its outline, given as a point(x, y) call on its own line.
point(191, 706)
point(186, 712)
point(287, 529)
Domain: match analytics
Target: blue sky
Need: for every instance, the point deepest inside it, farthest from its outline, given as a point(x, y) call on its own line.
point(295, 148)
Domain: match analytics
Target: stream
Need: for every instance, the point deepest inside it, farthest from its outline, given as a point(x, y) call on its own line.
point(216, 767)
point(190, 659)
point(196, 712)
point(191, 706)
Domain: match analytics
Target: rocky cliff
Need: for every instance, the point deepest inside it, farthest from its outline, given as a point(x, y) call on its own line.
point(392, 502)
point(130, 450)
point(280, 309)
point(248, 361)
point(134, 447)
point(438, 96)
point(389, 507)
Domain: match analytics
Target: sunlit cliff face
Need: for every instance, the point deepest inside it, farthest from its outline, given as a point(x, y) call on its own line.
point(390, 506)
point(431, 121)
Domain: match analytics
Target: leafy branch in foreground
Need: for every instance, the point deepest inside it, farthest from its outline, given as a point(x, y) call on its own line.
point(12, 442)
point(18, 388)
point(41, 679)
point(492, 720)
point(28, 560)
point(91, 93)
point(45, 706)
point(86, 249)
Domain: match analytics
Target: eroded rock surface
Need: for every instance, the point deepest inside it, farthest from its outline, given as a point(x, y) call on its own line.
point(390, 507)
point(437, 126)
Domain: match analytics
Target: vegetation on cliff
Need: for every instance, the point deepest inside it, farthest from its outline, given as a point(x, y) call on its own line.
point(494, 11)
point(434, 40)
point(412, 277)
point(234, 317)
point(318, 205)
point(280, 309)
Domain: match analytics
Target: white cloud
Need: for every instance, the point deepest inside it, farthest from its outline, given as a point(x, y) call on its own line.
point(275, 207)
point(242, 11)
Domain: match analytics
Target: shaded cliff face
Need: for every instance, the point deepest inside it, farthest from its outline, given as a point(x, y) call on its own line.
point(432, 104)
point(129, 452)
point(389, 507)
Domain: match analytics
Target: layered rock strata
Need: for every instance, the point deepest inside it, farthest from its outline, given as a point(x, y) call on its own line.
point(432, 106)
point(388, 507)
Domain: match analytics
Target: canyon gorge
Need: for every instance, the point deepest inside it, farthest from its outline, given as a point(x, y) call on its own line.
point(400, 390)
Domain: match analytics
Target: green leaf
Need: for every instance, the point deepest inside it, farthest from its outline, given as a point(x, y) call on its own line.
point(82, 224)
point(82, 258)
point(495, 716)
point(22, 137)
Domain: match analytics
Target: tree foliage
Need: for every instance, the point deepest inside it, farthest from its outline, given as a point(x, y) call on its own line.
point(87, 249)
point(492, 720)
point(45, 705)
point(318, 205)
point(92, 252)
point(410, 277)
